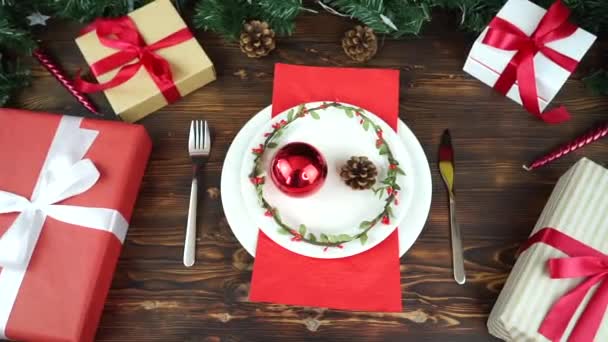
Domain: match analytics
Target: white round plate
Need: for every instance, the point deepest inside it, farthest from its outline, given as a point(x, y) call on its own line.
point(335, 209)
point(245, 228)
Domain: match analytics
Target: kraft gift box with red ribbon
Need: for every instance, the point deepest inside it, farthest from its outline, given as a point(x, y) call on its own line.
point(67, 190)
point(527, 53)
point(143, 61)
point(558, 288)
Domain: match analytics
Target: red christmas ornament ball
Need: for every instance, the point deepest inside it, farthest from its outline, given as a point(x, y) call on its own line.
point(298, 169)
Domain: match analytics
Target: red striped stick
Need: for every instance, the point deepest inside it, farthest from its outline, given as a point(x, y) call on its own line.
point(591, 136)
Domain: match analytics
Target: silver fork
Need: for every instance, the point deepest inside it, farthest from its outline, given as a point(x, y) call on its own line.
point(199, 147)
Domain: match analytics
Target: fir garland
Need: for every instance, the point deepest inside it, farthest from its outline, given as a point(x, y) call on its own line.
point(226, 17)
point(394, 17)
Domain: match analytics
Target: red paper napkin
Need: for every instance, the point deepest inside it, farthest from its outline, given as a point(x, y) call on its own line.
point(369, 281)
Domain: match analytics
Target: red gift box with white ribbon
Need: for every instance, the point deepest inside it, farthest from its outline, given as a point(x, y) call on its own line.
point(67, 190)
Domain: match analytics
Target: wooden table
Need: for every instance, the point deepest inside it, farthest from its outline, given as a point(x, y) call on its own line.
point(155, 298)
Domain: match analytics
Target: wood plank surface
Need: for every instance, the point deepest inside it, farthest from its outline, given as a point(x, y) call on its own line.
point(155, 298)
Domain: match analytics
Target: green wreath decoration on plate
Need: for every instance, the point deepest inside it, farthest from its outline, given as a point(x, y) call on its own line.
point(388, 184)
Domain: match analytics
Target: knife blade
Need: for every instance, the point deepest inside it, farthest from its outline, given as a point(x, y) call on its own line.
point(446, 169)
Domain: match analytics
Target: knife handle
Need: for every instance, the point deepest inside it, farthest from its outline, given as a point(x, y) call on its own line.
point(457, 253)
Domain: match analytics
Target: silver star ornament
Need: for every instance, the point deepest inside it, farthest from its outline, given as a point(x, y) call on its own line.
point(37, 18)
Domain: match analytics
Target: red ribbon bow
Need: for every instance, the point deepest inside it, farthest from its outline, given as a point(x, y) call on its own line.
point(122, 34)
point(582, 261)
point(506, 36)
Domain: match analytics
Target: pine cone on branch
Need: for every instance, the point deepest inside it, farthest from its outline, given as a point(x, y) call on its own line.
point(359, 173)
point(360, 43)
point(257, 39)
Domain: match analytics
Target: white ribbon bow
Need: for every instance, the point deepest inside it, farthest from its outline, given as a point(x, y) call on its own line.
point(64, 174)
point(18, 240)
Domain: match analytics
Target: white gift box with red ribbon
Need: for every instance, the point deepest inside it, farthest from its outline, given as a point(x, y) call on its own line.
point(487, 63)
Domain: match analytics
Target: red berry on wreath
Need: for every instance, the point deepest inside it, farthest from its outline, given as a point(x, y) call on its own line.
point(257, 180)
point(258, 150)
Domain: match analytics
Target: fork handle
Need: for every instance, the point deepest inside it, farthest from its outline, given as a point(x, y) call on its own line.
point(190, 244)
point(457, 254)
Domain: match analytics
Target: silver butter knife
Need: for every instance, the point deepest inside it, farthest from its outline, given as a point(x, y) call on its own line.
point(446, 168)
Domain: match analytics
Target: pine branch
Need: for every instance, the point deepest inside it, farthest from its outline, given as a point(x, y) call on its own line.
point(591, 15)
point(408, 16)
point(225, 17)
point(87, 10)
point(14, 34)
point(280, 14)
point(598, 82)
point(474, 14)
point(15, 39)
point(284, 9)
point(369, 12)
point(12, 78)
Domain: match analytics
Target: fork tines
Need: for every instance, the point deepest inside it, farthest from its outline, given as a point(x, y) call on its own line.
point(199, 142)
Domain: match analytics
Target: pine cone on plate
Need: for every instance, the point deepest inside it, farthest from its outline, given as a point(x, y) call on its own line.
point(360, 43)
point(359, 173)
point(257, 39)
